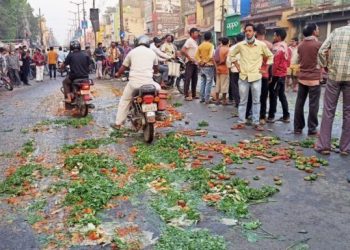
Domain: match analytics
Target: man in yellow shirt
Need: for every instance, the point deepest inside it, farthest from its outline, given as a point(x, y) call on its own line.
point(252, 52)
point(205, 58)
point(52, 57)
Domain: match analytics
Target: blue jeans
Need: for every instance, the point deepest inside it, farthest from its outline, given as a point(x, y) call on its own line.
point(244, 87)
point(207, 77)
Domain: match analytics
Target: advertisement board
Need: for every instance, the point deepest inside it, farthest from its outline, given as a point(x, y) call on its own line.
point(167, 14)
point(258, 6)
point(168, 6)
point(232, 25)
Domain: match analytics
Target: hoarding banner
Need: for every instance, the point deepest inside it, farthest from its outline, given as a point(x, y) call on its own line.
point(258, 6)
point(232, 25)
point(168, 6)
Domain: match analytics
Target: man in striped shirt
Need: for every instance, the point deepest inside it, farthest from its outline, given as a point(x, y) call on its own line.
point(334, 54)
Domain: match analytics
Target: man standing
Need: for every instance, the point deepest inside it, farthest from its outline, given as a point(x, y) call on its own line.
point(205, 58)
point(260, 35)
point(14, 67)
point(99, 57)
point(334, 54)
point(251, 53)
point(309, 80)
point(39, 60)
point(191, 73)
point(233, 90)
point(222, 72)
point(52, 58)
point(25, 68)
point(293, 70)
point(281, 62)
point(114, 55)
point(126, 48)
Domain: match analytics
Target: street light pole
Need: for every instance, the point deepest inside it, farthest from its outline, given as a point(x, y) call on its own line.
point(78, 5)
point(121, 20)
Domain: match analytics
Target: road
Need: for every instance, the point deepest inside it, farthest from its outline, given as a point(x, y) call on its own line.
point(317, 212)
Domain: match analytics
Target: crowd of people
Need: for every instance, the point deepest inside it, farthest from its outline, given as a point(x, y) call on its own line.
point(251, 71)
point(21, 63)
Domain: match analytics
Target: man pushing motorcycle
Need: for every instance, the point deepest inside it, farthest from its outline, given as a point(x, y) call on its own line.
point(142, 62)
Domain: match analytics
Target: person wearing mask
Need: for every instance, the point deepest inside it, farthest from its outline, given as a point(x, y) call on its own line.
point(162, 58)
point(39, 60)
point(52, 58)
point(222, 72)
point(14, 67)
point(79, 63)
point(281, 62)
point(168, 46)
point(233, 90)
point(141, 61)
point(334, 54)
point(309, 80)
point(114, 57)
point(205, 58)
point(191, 73)
point(293, 70)
point(99, 57)
point(251, 54)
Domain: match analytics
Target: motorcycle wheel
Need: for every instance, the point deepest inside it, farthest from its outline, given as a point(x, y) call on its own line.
point(180, 84)
point(148, 132)
point(82, 107)
point(8, 86)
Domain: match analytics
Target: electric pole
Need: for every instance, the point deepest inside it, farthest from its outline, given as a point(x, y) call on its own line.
point(223, 18)
point(41, 29)
point(95, 33)
point(121, 34)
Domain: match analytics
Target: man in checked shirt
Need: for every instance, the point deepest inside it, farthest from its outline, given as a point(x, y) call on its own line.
point(334, 55)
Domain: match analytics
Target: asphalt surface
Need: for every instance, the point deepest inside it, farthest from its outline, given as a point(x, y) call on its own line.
point(317, 212)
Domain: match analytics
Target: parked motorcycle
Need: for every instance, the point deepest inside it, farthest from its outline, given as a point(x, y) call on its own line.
point(176, 77)
point(5, 82)
point(142, 114)
point(81, 96)
point(63, 71)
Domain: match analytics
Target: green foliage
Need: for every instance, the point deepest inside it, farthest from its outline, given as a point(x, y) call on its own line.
point(71, 122)
point(88, 144)
point(27, 148)
point(175, 238)
point(94, 188)
point(252, 225)
point(17, 19)
point(203, 124)
point(177, 104)
point(14, 183)
point(165, 150)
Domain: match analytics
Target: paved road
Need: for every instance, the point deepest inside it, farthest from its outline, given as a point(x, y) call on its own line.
point(320, 210)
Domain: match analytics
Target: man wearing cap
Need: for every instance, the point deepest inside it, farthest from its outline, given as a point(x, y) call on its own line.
point(191, 73)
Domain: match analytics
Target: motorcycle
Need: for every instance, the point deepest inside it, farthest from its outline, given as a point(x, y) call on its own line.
point(177, 79)
point(143, 110)
point(81, 96)
point(63, 71)
point(5, 82)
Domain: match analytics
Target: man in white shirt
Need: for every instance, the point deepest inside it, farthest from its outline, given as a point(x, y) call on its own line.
point(162, 58)
point(142, 61)
point(191, 76)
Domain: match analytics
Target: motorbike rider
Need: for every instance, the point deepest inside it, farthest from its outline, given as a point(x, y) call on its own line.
point(142, 62)
point(162, 58)
point(78, 62)
point(168, 46)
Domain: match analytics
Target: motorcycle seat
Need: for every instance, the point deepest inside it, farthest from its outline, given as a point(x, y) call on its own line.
point(148, 89)
point(79, 81)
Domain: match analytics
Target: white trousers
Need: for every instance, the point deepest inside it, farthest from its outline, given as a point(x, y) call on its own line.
point(39, 73)
point(125, 100)
point(99, 69)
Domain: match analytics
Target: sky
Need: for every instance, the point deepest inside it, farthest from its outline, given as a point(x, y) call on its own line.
point(57, 13)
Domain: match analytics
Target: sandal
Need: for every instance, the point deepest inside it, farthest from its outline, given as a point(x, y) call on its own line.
point(115, 126)
point(188, 98)
point(323, 151)
point(259, 128)
point(238, 126)
point(344, 153)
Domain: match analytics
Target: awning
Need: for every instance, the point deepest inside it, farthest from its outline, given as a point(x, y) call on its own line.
point(262, 16)
point(317, 11)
